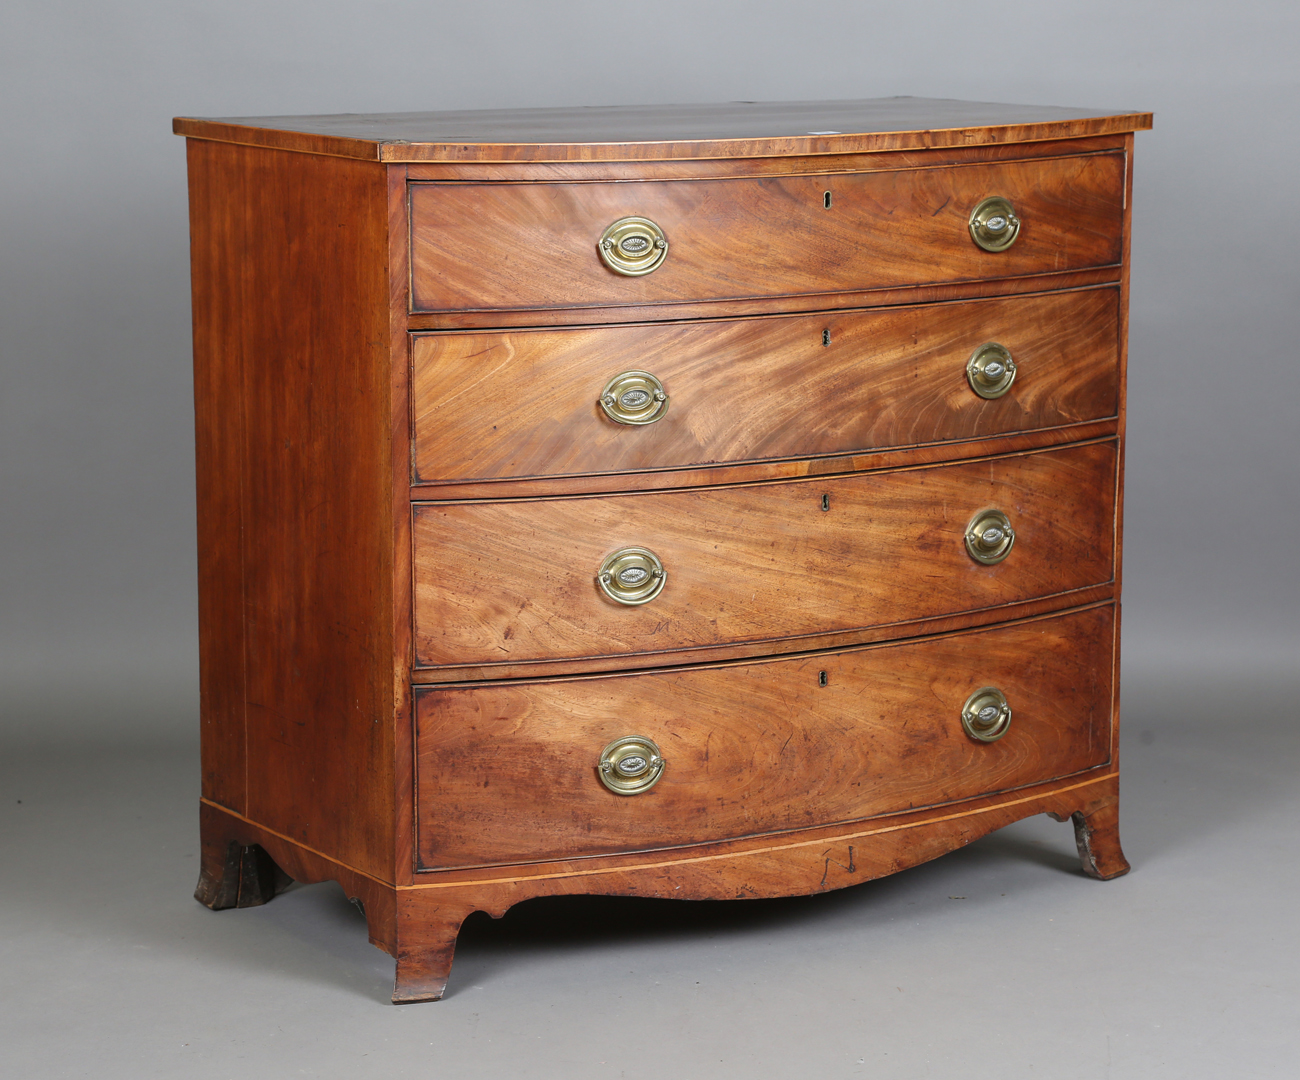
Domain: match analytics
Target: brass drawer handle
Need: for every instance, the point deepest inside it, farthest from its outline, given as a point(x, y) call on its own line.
point(990, 370)
point(632, 576)
point(634, 397)
point(633, 246)
point(989, 537)
point(986, 716)
point(993, 224)
point(630, 765)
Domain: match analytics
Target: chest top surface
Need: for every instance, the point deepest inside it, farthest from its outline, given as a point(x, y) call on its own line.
point(665, 132)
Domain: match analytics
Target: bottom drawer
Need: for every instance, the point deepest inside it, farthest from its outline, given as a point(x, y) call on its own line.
point(509, 772)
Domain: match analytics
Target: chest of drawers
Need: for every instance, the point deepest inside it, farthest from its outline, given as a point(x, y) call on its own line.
point(692, 502)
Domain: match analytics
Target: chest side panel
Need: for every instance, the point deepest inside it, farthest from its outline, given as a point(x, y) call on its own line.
point(295, 494)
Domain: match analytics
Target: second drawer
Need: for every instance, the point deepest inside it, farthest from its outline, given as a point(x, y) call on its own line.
point(525, 403)
point(517, 580)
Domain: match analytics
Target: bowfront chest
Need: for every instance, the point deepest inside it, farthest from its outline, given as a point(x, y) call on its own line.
point(694, 502)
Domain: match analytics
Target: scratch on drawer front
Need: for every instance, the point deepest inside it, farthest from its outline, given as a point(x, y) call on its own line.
point(827, 855)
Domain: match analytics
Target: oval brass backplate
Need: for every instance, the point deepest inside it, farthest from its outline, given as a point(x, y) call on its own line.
point(632, 576)
point(993, 224)
point(633, 246)
point(986, 716)
point(989, 537)
point(990, 370)
point(630, 765)
point(634, 397)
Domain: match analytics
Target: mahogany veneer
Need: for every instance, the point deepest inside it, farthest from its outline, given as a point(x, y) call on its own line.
point(812, 740)
point(815, 400)
point(479, 247)
point(510, 581)
point(402, 326)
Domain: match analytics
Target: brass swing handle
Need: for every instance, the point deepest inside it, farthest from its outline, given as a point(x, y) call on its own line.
point(989, 537)
point(986, 716)
point(630, 765)
point(633, 246)
point(991, 370)
point(634, 397)
point(993, 224)
point(631, 576)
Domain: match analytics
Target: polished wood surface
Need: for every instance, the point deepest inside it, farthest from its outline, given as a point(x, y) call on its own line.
point(794, 303)
point(406, 487)
point(524, 403)
point(418, 923)
point(793, 645)
point(219, 461)
point(755, 748)
point(476, 247)
point(623, 132)
point(515, 580)
point(698, 168)
point(400, 597)
point(291, 353)
point(722, 473)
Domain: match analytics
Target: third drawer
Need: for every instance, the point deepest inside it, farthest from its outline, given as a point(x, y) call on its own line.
point(515, 581)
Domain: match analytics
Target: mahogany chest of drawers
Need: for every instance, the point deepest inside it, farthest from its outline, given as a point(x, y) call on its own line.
point(691, 502)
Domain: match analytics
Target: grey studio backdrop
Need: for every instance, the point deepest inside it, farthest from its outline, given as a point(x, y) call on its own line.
point(97, 538)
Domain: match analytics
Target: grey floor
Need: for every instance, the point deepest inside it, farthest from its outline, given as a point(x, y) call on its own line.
point(1000, 960)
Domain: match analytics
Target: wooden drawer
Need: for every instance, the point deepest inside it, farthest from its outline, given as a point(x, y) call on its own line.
point(524, 403)
point(506, 772)
point(515, 580)
point(492, 246)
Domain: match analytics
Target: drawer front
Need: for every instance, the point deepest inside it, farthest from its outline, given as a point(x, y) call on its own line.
point(515, 581)
point(525, 403)
point(508, 772)
point(481, 247)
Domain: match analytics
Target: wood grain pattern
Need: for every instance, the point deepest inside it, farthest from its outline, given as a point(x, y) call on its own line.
point(697, 168)
point(219, 463)
point(511, 246)
point(514, 581)
point(399, 442)
point(417, 924)
point(524, 403)
point(792, 645)
point(1124, 286)
point(799, 867)
point(293, 366)
point(406, 487)
point(767, 305)
point(221, 829)
point(507, 772)
point(737, 129)
point(1096, 835)
point(756, 471)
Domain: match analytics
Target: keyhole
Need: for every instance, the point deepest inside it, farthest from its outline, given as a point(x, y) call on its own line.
point(826, 337)
point(826, 502)
point(821, 678)
point(826, 200)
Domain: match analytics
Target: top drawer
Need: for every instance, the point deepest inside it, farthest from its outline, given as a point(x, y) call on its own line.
point(498, 246)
